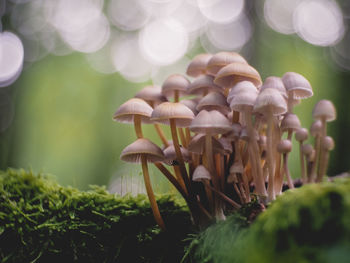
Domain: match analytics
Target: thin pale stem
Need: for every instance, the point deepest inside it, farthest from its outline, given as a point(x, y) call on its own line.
point(150, 193)
point(270, 163)
point(286, 171)
point(182, 137)
point(317, 148)
point(161, 134)
point(320, 172)
point(302, 163)
point(225, 197)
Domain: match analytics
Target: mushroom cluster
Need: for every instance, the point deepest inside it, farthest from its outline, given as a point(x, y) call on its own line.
point(230, 135)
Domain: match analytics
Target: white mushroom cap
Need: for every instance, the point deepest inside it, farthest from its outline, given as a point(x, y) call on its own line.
point(175, 82)
point(297, 86)
point(270, 101)
point(275, 83)
point(328, 143)
point(170, 154)
point(324, 109)
point(301, 134)
point(203, 83)
point(198, 65)
point(243, 86)
point(244, 101)
point(200, 173)
point(316, 128)
point(291, 122)
point(214, 101)
point(284, 146)
point(127, 111)
point(222, 59)
point(132, 153)
point(151, 94)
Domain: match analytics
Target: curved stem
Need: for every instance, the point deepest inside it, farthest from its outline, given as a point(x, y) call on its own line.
point(286, 171)
point(320, 172)
point(225, 197)
point(313, 172)
point(179, 155)
point(182, 138)
point(150, 193)
point(302, 163)
point(137, 125)
point(161, 134)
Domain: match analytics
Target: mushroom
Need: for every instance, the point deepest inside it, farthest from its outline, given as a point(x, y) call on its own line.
point(297, 88)
point(284, 147)
point(134, 111)
point(270, 103)
point(213, 101)
point(202, 85)
point(324, 110)
point(143, 150)
point(175, 115)
point(175, 85)
point(328, 145)
point(198, 65)
point(222, 59)
point(301, 135)
point(153, 96)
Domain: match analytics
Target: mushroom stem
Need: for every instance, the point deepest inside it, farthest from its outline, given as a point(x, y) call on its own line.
point(176, 96)
point(313, 172)
point(161, 134)
point(322, 151)
point(137, 125)
point(225, 197)
point(172, 179)
point(302, 163)
point(269, 150)
point(182, 137)
point(179, 154)
point(286, 171)
point(150, 193)
point(178, 176)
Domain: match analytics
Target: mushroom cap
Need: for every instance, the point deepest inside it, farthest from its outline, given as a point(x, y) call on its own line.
point(245, 136)
point(126, 112)
point(132, 153)
point(243, 86)
point(328, 143)
point(244, 101)
point(210, 122)
point(291, 122)
point(307, 149)
point(324, 109)
point(197, 145)
point(191, 104)
point(301, 134)
point(203, 83)
point(151, 94)
point(297, 86)
point(226, 144)
point(235, 133)
point(233, 73)
point(200, 173)
point(316, 128)
point(175, 82)
point(170, 154)
point(284, 146)
point(273, 82)
point(198, 65)
point(213, 101)
point(222, 59)
point(172, 110)
point(270, 101)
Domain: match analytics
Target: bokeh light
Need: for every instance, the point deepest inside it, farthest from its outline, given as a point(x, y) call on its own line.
point(221, 11)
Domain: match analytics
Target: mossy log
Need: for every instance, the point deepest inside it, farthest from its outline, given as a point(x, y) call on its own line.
point(41, 221)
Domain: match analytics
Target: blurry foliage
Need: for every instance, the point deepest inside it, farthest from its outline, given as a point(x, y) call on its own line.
point(307, 224)
point(40, 221)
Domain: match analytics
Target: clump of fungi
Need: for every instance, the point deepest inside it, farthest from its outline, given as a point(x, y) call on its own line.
point(231, 135)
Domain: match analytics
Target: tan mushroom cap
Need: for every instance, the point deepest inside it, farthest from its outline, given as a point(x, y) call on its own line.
point(203, 83)
point(301, 134)
point(290, 121)
point(243, 86)
point(132, 153)
point(198, 65)
point(324, 109)
point(297, 86)
point(170, 154)
point(245, 136)
point(237, 167)
point(197, 145)
point(200, 173)
point(210, 122)
point(284, 146)
point(214, 101)
point(316, 128)
point(132, 107)
point(172, 110)
point(328, 143)
point(222, 59)
point(235, 133)
point(275, 83)
point(151, 94)
point(233, 73)
point(226, 144)
point(270, 101)
point(175, 82)
point(244, 101)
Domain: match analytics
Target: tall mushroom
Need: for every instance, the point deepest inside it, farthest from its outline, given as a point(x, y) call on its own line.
point(143, 151)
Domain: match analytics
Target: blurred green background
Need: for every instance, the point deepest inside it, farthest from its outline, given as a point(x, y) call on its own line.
point(63, 109)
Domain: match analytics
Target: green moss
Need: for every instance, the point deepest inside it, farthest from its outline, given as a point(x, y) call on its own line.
point(40, 221)
point(309, 224)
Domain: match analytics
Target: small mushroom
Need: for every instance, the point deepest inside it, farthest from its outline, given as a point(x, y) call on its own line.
point(198, 65)
point(143, 150)
point(222, 59)
point(214, 101)
point(301, 135)
point(284, 147)
point(175, 86)
point(203, 85)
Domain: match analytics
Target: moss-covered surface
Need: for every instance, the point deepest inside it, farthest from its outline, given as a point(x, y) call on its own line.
point(309, 224)
point(41, 221)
